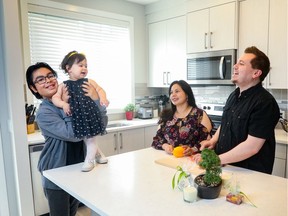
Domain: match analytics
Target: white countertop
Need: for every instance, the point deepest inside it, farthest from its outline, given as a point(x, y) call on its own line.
point(133, 184)
point(36, 138)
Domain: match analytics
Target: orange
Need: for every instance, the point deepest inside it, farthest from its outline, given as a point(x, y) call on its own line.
point(178, 151)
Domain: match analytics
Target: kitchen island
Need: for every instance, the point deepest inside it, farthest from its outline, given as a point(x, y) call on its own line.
point(134, 184)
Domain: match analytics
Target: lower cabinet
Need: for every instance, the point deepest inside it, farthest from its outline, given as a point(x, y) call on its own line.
point(280, 163)
point(150, 132)
point(121, 141)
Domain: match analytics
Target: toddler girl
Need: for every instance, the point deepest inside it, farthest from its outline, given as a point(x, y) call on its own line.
point(88, 117)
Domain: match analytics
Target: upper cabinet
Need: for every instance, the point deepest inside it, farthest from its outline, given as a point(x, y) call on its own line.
point(212, 29)
point(167, 51)
point(267, 30)
point(277, 45)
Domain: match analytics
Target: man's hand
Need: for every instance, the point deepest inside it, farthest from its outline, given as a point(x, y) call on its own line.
point(90, 91)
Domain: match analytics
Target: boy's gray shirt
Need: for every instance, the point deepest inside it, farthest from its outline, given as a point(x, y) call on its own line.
point(57, 129)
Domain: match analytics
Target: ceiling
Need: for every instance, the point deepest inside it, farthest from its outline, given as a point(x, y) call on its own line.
point(143, 2)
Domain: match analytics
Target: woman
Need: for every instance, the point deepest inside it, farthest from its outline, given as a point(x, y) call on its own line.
point(184, 124)
point(61, 147)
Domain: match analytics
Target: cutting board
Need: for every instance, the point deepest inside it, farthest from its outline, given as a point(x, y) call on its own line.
point(173, 162)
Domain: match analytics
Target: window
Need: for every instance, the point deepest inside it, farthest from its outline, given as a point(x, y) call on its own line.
point(106, 46)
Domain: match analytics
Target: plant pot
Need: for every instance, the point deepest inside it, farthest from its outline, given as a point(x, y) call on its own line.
point(206, 192)
point(129, 115)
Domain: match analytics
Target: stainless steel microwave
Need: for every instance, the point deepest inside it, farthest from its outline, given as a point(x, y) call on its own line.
point(211, 68)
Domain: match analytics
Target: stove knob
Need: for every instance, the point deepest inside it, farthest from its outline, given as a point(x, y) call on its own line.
point(204, 107)
point(208, 107)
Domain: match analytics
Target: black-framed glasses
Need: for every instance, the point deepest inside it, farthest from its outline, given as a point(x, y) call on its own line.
point(42, 79)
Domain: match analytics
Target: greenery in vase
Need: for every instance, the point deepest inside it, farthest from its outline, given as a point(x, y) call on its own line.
point(212, 165)
point(181, 174)
point(129, 107)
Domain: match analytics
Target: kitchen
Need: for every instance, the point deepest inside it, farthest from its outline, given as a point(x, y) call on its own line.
point(12, 132)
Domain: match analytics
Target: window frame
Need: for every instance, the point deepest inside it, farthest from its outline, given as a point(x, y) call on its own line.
point(86, 14)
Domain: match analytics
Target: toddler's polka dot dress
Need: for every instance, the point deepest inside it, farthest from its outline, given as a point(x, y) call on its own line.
point(86, 116)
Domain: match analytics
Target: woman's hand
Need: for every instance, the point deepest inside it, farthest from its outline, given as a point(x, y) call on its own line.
point(90, 91)
point(167, 148)
point(188, 151)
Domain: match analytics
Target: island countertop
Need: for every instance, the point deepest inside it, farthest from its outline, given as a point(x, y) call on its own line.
point(134, 184)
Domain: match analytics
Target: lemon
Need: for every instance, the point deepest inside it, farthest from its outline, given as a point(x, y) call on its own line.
point(178, 151)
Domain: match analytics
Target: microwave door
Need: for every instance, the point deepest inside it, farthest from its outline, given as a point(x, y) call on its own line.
point(222, 68)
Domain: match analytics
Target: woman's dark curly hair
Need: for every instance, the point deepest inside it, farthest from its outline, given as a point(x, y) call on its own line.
point(167, 114)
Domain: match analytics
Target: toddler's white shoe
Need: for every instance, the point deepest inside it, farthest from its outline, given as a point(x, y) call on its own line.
point(88, 165)
point(100, 158)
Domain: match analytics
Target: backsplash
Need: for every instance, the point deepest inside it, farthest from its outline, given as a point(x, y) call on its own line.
point(213, 94)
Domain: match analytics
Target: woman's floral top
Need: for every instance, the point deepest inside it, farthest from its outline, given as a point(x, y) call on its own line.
point(182, 131)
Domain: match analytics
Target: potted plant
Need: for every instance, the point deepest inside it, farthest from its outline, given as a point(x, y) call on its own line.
point(129, 109)
point(209, 184)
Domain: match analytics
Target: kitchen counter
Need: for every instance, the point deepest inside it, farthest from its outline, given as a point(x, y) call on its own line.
point(133, 184)
point(36, 138)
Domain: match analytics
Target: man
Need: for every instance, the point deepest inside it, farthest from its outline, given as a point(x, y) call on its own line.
point(246, 136)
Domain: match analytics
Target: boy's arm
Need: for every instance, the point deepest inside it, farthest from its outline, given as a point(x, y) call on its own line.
point(101, 93)
point(57, 100)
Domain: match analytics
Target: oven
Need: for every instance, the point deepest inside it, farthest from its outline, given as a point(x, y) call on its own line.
point(214, 111)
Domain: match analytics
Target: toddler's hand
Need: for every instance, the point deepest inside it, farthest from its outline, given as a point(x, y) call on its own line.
point(104, 102)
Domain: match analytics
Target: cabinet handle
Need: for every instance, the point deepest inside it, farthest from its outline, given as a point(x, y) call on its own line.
point(168, 78)
point(121, 141)
point(115, 142)
point(269, 78)
point(210, 40)
point(205, 40)
point(164, 78)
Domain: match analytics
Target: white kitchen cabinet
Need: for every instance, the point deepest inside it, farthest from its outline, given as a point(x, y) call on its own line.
point(121, 141)
point(279, 168)
point(149, 133)
point(212, 29)
point(253, 30)
point(263, 23)
point(277, 45)
point(167, 51)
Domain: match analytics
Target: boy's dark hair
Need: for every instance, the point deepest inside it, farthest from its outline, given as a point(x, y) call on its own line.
point(29, 76)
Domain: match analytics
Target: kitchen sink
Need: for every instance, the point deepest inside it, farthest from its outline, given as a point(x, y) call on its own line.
point(118, 125)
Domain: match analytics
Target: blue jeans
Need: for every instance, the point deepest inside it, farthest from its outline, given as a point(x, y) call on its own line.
point(61, 203)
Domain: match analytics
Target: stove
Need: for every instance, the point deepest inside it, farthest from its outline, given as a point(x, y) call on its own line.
point(214, 111)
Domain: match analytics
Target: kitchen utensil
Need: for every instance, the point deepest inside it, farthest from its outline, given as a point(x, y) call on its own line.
point(284, 124)
point(31, 119)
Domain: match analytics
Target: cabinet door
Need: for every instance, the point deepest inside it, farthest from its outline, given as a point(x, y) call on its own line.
point(176, 49)
point(279, 167)
point(108, 144)
point(131, 140)
point(197, 31)
point(277, 48)
point(250, 27)
point(150, 132)
point(157, 54)
point(222, 27)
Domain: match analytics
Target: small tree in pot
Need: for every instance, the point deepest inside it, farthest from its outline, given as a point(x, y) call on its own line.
point(129, 109)
point(209, 184)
